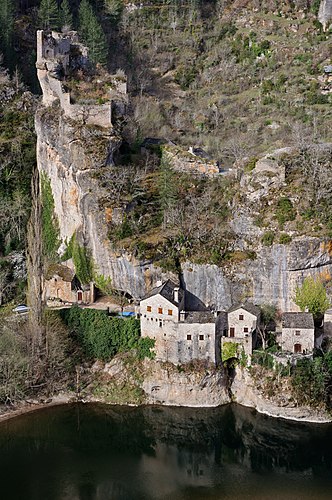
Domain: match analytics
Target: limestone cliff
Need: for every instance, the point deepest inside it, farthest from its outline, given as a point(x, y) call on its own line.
point(325, 13)
point(73, 156)
point(76, 153)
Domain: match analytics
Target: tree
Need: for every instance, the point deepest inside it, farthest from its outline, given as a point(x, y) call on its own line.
point(114, 8)
point(6, 28)
point(48, 14)
point(268, 315)
point(65, 16)
point(92, 33)
point(312, 296)
point(167, 189)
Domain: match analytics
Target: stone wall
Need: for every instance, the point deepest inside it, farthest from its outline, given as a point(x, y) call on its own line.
point(99, 115)
point(303, 336)
point(183, 161)
point(245, 342)
point(328, 323)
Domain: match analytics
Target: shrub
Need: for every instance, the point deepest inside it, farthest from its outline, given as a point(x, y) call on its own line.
point(102, 336)
point(268, 238)
point(285, 211)
point(50, 224)
point(284, 239)
point(229, 350)
point(82, 262)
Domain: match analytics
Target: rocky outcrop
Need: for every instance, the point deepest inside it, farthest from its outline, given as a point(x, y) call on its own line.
point(325, 13)
point(270, 278)
point(165, 384)
point(73, 157)
point(245, 393)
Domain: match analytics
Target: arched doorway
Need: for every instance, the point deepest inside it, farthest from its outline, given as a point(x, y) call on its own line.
point(297, 348)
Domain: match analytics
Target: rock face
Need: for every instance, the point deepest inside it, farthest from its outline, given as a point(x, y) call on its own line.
point(164, 384)
point(73, 157)
point(325, 13)
point(270, 278)
point(245, 393)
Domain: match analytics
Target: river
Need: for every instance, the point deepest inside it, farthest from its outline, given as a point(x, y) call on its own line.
point(100, 452)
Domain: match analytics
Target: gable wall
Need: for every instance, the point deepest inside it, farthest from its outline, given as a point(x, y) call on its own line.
point(249, 321)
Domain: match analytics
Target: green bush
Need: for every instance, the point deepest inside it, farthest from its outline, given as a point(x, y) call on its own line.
point(268, 238)
point(284, 239)
point(102, 336)
point(229, 350)
point(50, 224)
point(285, 211)
point(82, 262)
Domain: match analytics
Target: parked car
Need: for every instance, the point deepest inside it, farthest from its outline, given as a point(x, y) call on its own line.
point(21, 308)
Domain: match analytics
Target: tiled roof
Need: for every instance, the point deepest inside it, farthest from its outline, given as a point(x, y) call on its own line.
point(200, 317)
point(166, 290)
point(297, 320)
point(247, 306)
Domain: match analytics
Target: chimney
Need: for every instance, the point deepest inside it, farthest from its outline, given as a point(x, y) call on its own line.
point(159, 283)
point(176, 294)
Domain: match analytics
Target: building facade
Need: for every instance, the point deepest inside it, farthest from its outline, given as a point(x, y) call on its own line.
point(62, 285)
point(298, 333)
point(180, 336)
point(242, 323)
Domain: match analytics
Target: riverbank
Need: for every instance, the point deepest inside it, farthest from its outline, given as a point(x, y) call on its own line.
point(245, 393)
point(124, 382)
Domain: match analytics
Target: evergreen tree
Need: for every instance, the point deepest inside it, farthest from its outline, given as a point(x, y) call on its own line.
point(65, 15)
point(6, 28)
point(92, 33)
point(167, 188)
point(48, 14)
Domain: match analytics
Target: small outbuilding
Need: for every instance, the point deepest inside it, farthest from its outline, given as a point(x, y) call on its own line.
point(298, 332)
point(62, 285)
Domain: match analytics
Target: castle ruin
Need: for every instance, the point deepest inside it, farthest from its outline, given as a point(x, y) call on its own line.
point(58, 54)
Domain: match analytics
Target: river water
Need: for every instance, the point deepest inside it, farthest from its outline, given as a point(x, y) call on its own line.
point(99, 452)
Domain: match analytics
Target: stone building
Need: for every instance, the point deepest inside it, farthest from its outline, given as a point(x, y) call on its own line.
point(62, 285)
point(181, 336)
point(242, 322)
point(298, 332)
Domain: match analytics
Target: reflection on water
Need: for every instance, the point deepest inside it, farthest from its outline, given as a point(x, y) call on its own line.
point(98, 452)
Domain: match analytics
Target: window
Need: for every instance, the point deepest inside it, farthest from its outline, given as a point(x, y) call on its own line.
point(232, 331)
point(188, 337)
point(201, 337)
point(160, 310)
point(170, 312)
point(160, 323)
point(245, 329)
point(241, 318)
point(149, 308)
point(297, 332)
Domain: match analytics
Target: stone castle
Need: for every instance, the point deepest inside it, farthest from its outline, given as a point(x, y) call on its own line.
point(57, 55)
